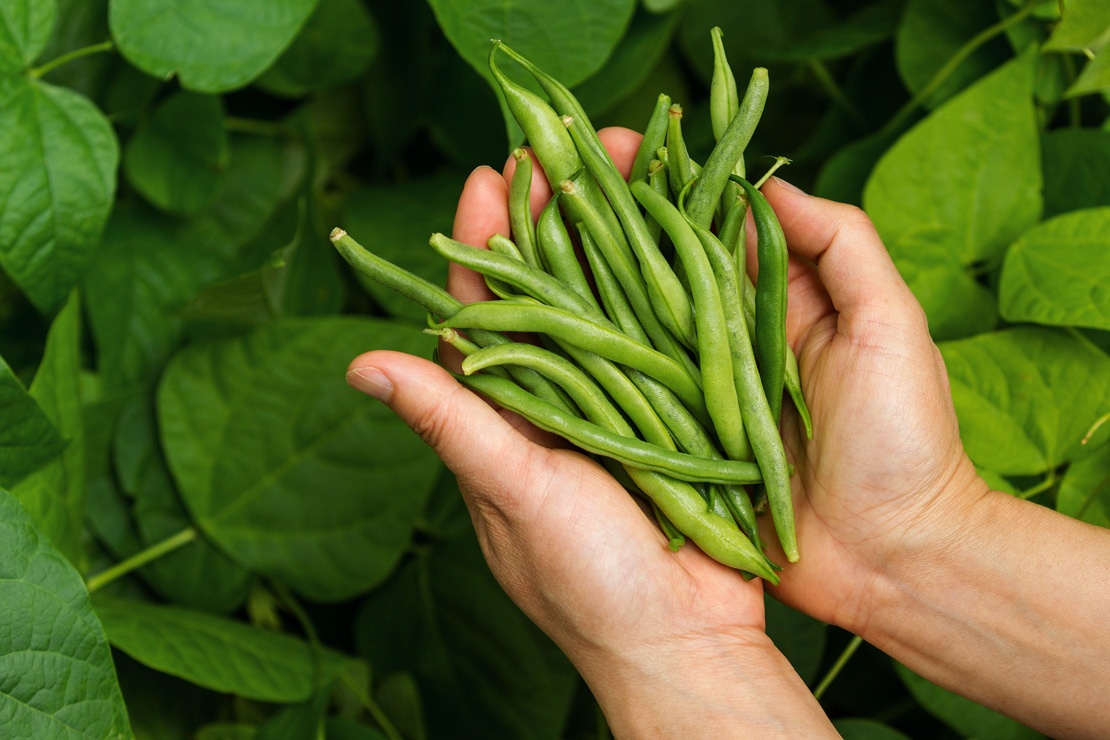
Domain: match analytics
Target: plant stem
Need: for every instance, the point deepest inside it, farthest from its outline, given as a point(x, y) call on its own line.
point(375, 711)
point(828, 83)
point(1049, 479)
point(837, 666)
point(950, 66)
point(139, 559)
point(257, 127)
point(64, 58)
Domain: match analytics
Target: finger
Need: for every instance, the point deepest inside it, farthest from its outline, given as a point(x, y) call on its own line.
point(852, 262)
point(483, 211)
point(622, 144)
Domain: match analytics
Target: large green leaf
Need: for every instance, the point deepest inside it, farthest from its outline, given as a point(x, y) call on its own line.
point(956, 304)
point(395, 221)
point(1085, 25)
point(1058, 272)
point(333, 48)
point(58, 682)
point(175, 157)
point(286, 468)
point(1085, 490)
point(1075, 165)
point(215, 652)
point(968, 177)
point(800, 638)
point(963, 715)
point(931, 32)
point(567, 40)
point(56, 186)
point(1094, 77)
point(1026, 396)
point(866, 729)
point(28, 439)
point(211, 45)
point(24, 30)
point(55, 494)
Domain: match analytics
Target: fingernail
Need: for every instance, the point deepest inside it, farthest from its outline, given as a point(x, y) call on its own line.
point(372, 382)
point(792, 188)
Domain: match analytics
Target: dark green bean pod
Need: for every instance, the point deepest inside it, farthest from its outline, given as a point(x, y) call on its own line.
point(724, 103)
point(714, 176)
point(557, 251)
point(655, 133)
point(520, 208)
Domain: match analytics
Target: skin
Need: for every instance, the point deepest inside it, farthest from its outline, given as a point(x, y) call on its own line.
point(995, 598)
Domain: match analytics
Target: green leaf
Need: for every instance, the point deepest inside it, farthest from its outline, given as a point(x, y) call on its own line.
point(161, 706)
point(569, 41)
point(196, 575)
point(997, 482)
point(215, 652)
point(300, 722)
point(480, 663)
point(1094, 77)
point(55, 494)
point(396, 221)
point(844, 175)
point(866, 729)
point(963, 715)
point(1057, 272)
point(399, 697)
point(175, 157)
point(968, 177)
point(334, 47)
point(80, 23)
point(227, 731)
point(800, 638)
point(1075, 165)
point(954, 302)
point(1085, 25)
point(56, 186)
point(287, 469)
point(1026, 396)
point(868, 26)
point(211, 45)
point(1085, 489)
point(341, 728)
point(59, 682)
point(151, 264)
point(28, 439)
point(25, 27)
point(931, 32)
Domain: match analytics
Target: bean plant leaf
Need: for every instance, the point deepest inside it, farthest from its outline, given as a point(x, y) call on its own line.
point(963, 715)
point(287, 469)
point(1025, 397)
point(28, 439)
point(341, 728)
point(955, 303)
point(55, 494)
point(395, 220)
point(59, 681)
point(25, 27)
point(1094, 77)
point(227, 731)
point(1085, 25)
point(968, 177)
point(215, 652)
point(1085, 489)
point(175, 158)
point(56, 186)
point(931, 32)
point(1075, 165)
point(211, 45)
point(334, 47)
point(800, 638)
point(866, 729)
point(870, 25)
point(1058, 272)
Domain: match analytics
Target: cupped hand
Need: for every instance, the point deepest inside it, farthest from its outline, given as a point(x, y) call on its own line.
point(565, 541)
point(885, 472)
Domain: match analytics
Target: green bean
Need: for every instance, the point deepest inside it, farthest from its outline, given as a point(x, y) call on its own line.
point(587, 334)
point(770, 298)
point(724, 102)
point(657, 178)
point(679, 171)
point(716, 365)
point(520, 208)
point(672, 305)
point(437, 301)
point(613, 299)
point(557, 251)
point(628, 450)
point(714, 175)
point(675, 540)
point(760, 423)
point(655, 133)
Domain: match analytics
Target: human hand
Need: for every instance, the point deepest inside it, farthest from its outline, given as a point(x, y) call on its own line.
point(575, 551)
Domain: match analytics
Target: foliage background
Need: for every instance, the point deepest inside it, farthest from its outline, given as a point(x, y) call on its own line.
point(174, 326)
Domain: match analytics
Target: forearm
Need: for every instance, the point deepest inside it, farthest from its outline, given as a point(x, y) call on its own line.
point(742, 688)
point(1012, 612)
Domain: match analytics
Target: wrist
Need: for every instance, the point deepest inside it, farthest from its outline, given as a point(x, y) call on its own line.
point(703, 686)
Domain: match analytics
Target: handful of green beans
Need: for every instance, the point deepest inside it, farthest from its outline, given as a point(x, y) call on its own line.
point(670, 366)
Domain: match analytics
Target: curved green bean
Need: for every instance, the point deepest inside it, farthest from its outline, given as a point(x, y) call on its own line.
point(679, 171)
point(557, 251)
point(655, 133)
point(520, 208)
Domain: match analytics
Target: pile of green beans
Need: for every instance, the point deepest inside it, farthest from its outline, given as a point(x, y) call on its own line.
point(662, 359)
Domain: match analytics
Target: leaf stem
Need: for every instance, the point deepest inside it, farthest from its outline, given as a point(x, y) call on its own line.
point(257, 127)
point(950, 66)
point(837, 666)
point(69, 57)
point(1049, 479)
point(829, 84)
point(141, 558)
point(375, 711)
